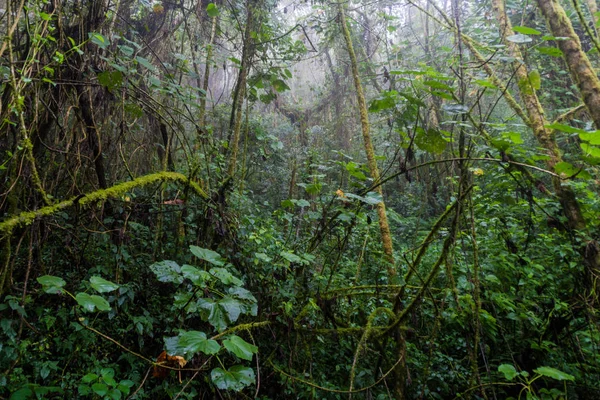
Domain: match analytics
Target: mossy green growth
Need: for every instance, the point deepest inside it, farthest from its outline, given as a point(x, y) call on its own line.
point(27, 217)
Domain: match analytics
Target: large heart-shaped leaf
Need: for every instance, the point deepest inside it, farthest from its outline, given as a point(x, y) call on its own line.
point(207, 255)
point(212, 313)
point(236, 378)
point(225, 276)
point(240, 347)
point(101, 285)
point(90, 303)
point(196, 275)
point(231, 307)
point(167, 271)
point(51, 284)
point(554, 374)
point(194, 341)
point(509, 371)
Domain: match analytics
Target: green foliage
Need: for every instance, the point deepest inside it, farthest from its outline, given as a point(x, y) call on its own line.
point(285, 276)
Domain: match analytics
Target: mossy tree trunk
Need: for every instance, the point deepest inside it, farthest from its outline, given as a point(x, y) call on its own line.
point(400, 371)
point(536, 119)
point(588, 83)
point(235, 122)
point(579, 64)
point(384, 226)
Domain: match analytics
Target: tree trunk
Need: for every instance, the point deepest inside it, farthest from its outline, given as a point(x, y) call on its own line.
point(579, 64)
point(384, 227)
point(536, 119)
point(589, 86)
point(400, 371)
point(235, 122)
point(209, 51)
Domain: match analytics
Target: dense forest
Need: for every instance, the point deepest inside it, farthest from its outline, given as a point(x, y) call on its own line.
point(390, 199)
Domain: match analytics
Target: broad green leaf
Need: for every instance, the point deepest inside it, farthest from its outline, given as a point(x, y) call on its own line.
point(241, 293)
point(100, 389)
point(291, 257)
point(430, 140)
point(565, 128)
point(590, 150)
point(302, 203)
point(51, 284)
point(438, 85)
point(382, 103)
point(125, 386)
point(550, 51)
point(99, 40)
point(535, 79)
point(413, 100)
point(89, 378)
point(89, 303)
point(167, 271)
point(279, 85)
point(126, 50)
point(355, 170)
point(526, 30)
point(212, 10)
point(373, 198)
point(509, 371)
point(443, 95)
point(207, 255)
point(145, 63)
point(114, 394)
point(236, 378)
point(22, 394)
point(172, 346)
point(314, 188)
point(485, 83)
point(111, 79)
point(101, 285)
point(240, 347)
point(197, 276)
point(231, 307)
point(514, 137)
point(287, 203)
point(366, 200)
point(554, 374)
point(591, 137)
point(212, 313)
point(555, 38)
point(225, 276)
point(519, 38)
point(566, 169)
point(194, 341)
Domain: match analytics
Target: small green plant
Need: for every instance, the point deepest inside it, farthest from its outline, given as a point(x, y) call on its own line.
point(104, 385)
point(525, 380)
point(218, 297)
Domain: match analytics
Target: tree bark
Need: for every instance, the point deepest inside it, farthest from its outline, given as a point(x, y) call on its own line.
point(589, 86)
point(536, 120)
point(384, 227)
point(235, 122)
point(400, 371)
point(579, 64)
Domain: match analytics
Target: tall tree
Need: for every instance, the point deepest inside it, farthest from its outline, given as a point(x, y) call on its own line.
point(384, 227)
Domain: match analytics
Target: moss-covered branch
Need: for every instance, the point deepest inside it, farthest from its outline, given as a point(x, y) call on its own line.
point(27, 217)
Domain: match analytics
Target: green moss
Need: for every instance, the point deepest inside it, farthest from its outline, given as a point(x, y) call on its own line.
point(27, 217)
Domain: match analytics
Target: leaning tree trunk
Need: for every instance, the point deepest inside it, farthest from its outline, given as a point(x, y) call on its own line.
point(400, 371)
point(384, 226)
point(235, 123)
point(579, 64)
point(536, 120)
point(589, 86)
